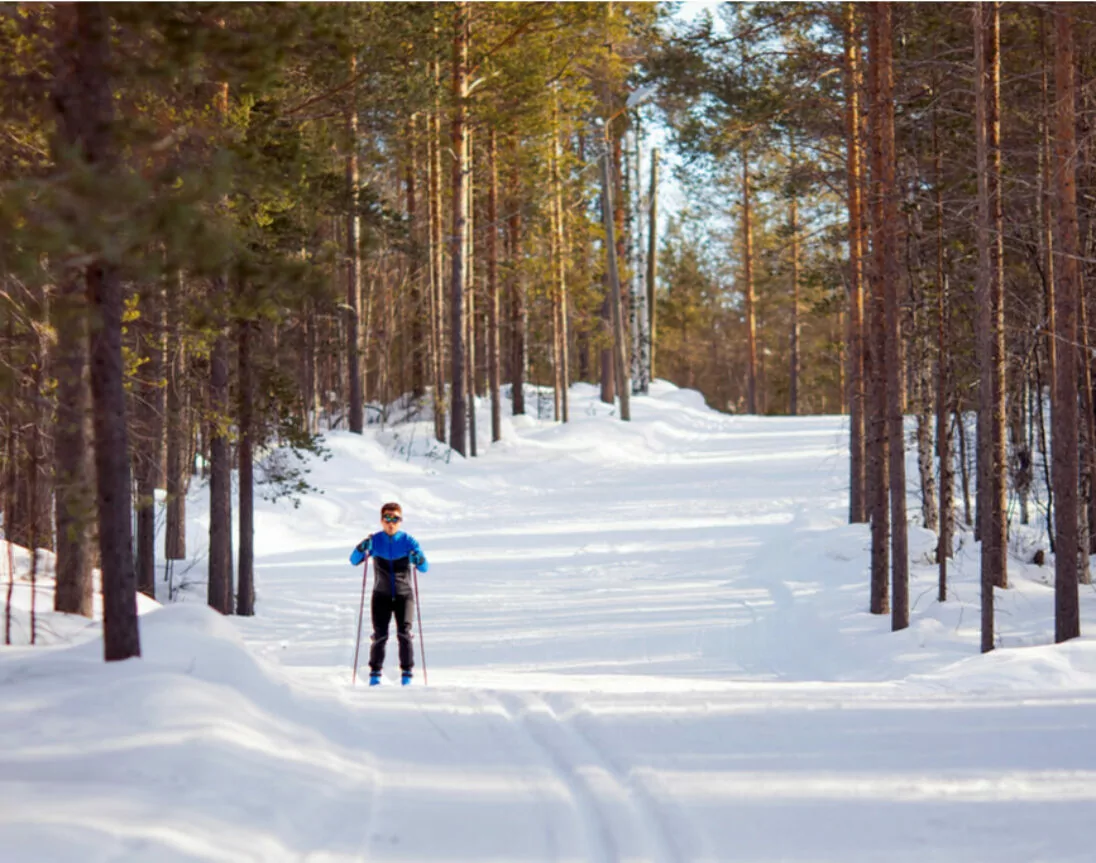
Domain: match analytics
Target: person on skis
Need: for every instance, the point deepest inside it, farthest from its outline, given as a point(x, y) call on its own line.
point(394, 553)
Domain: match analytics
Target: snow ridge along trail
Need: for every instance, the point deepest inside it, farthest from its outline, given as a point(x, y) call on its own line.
point(647, 641)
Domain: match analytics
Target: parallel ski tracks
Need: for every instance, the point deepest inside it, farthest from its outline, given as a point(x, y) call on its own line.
point(621, 822)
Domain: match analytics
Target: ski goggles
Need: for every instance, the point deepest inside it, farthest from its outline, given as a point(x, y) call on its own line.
point(391, 518)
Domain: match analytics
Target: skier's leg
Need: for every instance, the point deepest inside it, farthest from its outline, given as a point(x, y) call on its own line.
point(405, 615)
point(380, 608)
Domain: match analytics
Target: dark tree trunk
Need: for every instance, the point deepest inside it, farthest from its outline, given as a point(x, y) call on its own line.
point(87, 115)
point(943, 379)
point(990, 514)
point(1067, 621)
point(493, 285)
point(220, 476)
point(73, 467)
point(877, 465)
point(245, 584)
point(178, 434)
point(888, 264)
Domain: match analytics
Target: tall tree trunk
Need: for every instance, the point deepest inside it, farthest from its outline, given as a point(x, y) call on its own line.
point(563, 365)
point(436, 260)
point(793, 228)
point(888, 265)
point(458, 239)
point(652, 266)
point(245, 595)
point(219, 587)
point(420, 352)
point(493, 364)
point(877, 444)
point(1067, 621)
point(87, 115)
point(149, 450)
point(356, 419)
point(470, 292)
point(943, 376)
point(517, 291)
point(748, 288)
point(619, 364)
point(219, 584)
point(1046, 235)
point(73, 469)
point(991, 486)
point(178, 431)
point(855, 338)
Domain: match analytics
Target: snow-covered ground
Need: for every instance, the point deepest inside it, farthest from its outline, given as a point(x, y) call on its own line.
point(645, 641)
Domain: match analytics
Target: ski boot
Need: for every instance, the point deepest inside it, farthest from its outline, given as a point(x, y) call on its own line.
point(374, 678)
point(405, 678)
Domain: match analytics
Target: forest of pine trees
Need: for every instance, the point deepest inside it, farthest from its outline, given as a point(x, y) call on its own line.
point(228, 228)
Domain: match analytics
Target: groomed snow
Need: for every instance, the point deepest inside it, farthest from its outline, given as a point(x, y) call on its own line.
point(645, 641)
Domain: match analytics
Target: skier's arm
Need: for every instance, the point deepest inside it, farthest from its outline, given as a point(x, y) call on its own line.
point(416, 557)
point(361, 550)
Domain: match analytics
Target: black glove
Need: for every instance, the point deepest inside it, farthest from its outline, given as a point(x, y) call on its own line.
point(416, 558)
point(365, 546)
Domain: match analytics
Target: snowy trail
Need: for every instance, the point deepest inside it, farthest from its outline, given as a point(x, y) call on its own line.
point(646, 642)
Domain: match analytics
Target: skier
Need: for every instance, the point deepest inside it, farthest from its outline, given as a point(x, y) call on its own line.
point(394, 553)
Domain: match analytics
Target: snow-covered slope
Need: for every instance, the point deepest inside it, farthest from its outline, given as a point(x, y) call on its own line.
point(645, 641)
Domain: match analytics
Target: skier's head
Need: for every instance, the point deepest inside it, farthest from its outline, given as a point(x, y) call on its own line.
point(391, 518)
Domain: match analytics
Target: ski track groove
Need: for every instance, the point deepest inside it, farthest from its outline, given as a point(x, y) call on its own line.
point(653, 814)
point(551, 845)
point(573, 754)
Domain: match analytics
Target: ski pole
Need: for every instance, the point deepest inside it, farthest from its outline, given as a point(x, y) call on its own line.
point(361, 613)
point(418, 614)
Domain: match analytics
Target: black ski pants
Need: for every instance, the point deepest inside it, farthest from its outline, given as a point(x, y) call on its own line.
point(382, 607)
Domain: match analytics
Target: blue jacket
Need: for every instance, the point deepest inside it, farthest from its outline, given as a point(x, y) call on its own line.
point(391, 562)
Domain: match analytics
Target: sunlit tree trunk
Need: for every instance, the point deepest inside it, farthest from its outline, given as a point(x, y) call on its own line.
point(493, 360)
point(353, 265)
point(458, 238)
point(748, 288)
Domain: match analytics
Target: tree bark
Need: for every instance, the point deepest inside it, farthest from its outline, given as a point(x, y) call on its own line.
point(793, 228)
point(619, 346)
point(150, 427)
point(87, 115)
point(877, 443)
point(470, 292)
point(356, 418)
point(1067, 622)
point(458, 239)
point(943, 378)
point(436, 260)
point(178, 432)
point(990, 483)
point(219, 587)
point(73, 469)
point(887, 262)
point(748, 288)
point(493, 365)
point(652, 266)
point(245, 596)
point(517, 292)
point(563, 365)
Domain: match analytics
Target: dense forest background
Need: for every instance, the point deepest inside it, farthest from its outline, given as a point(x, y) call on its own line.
point(227, 228)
